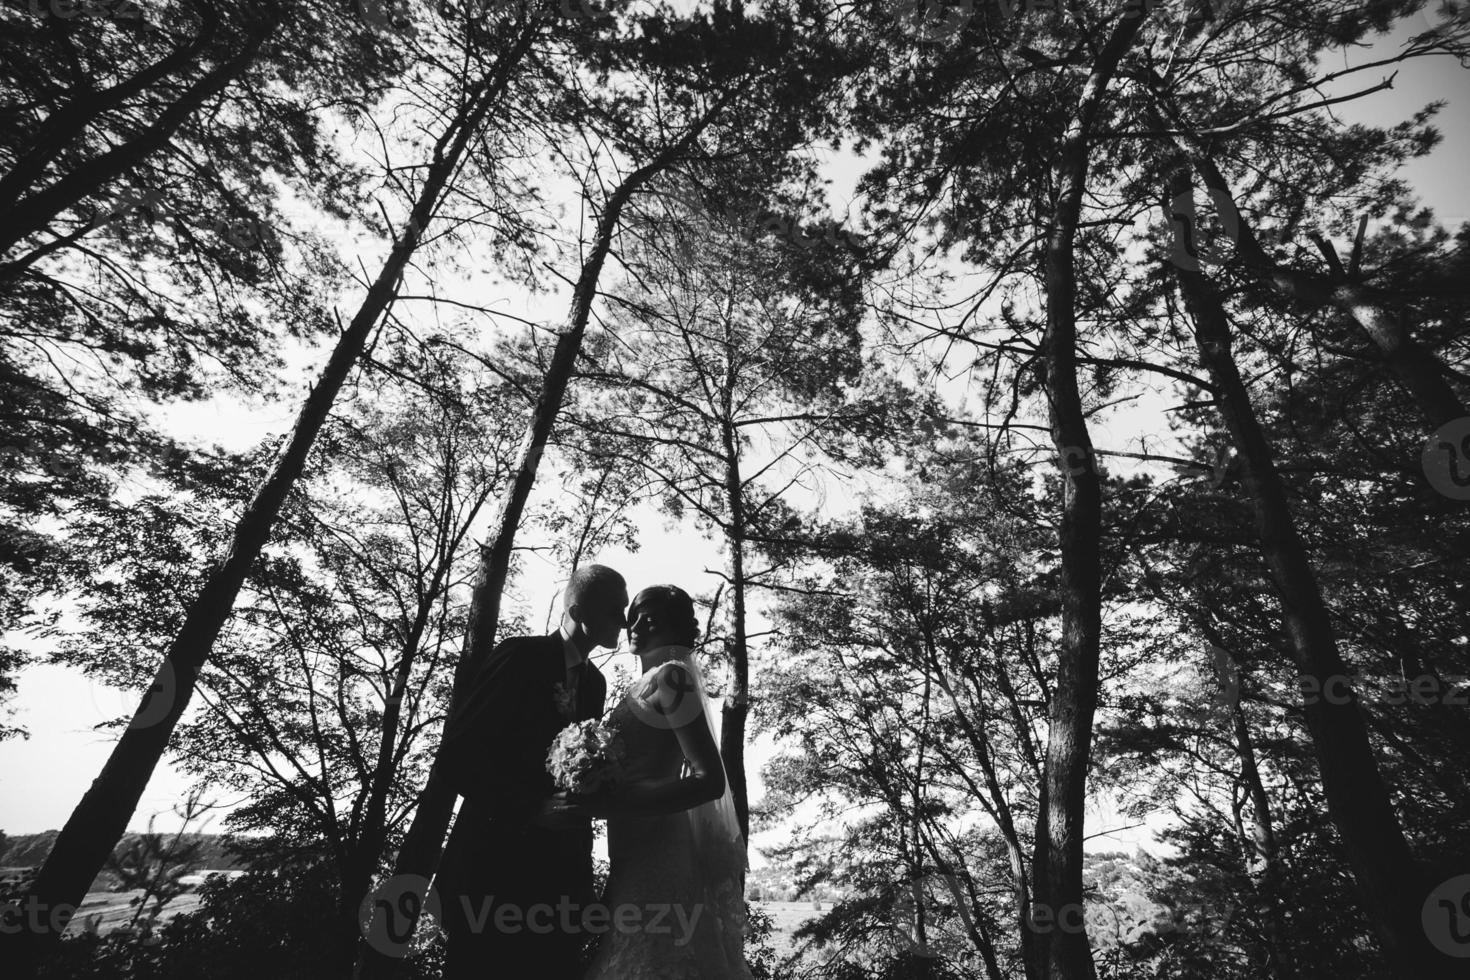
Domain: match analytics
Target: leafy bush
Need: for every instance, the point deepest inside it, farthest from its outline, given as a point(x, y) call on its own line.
point(281, 925)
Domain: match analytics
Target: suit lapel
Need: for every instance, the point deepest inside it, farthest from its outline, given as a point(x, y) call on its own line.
point(553, 665)
point(591, 693)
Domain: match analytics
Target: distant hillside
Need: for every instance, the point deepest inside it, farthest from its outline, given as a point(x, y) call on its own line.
point(29, 850)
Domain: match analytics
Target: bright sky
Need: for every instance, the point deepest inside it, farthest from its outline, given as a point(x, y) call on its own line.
point(41, 779)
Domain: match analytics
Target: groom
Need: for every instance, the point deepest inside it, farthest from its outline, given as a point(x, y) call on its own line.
point(517, 870)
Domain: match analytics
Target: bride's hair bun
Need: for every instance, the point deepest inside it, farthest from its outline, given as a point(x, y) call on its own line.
point(667, 608)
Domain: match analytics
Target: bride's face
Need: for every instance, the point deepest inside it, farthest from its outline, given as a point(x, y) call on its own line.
point(644, 633)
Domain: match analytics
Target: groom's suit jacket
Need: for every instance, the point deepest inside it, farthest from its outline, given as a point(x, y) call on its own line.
point(493, 754)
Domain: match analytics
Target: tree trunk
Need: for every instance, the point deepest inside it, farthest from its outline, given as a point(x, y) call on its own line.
point(1019, 724)
point(737, 702)
point(374, 829)
point(1015, 851)
point(101, 817)
point(1265, 863)
point(68, 122)
point(422, 845)
point(31, 214)
point(1419, 370)
point(1058, 884)
point(1391, 888)
point(975, 923)
point(999, 810)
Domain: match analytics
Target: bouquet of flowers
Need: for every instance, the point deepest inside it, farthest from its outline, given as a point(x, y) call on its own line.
point(586, 756)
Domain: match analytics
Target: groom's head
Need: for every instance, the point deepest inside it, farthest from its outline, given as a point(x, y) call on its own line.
point(594, 600)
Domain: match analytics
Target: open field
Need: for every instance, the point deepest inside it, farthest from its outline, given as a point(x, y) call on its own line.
point(113, 910)
point(786, 918)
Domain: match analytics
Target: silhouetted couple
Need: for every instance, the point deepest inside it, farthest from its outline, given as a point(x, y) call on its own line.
point(516, 880)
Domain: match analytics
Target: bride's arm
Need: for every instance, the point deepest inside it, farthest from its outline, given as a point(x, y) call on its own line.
point(704, 781)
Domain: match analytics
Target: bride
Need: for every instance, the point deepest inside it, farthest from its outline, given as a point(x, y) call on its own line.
point(672, 837)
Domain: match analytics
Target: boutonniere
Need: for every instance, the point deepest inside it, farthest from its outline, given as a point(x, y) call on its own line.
point(566, 701)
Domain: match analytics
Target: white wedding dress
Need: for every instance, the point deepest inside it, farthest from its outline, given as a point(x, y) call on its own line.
point(691, 862)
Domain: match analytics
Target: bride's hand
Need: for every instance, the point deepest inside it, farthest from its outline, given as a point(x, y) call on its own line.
point(598, 804)
point(560, 812)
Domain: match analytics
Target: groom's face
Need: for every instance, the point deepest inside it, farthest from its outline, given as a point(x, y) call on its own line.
point(601, 615)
